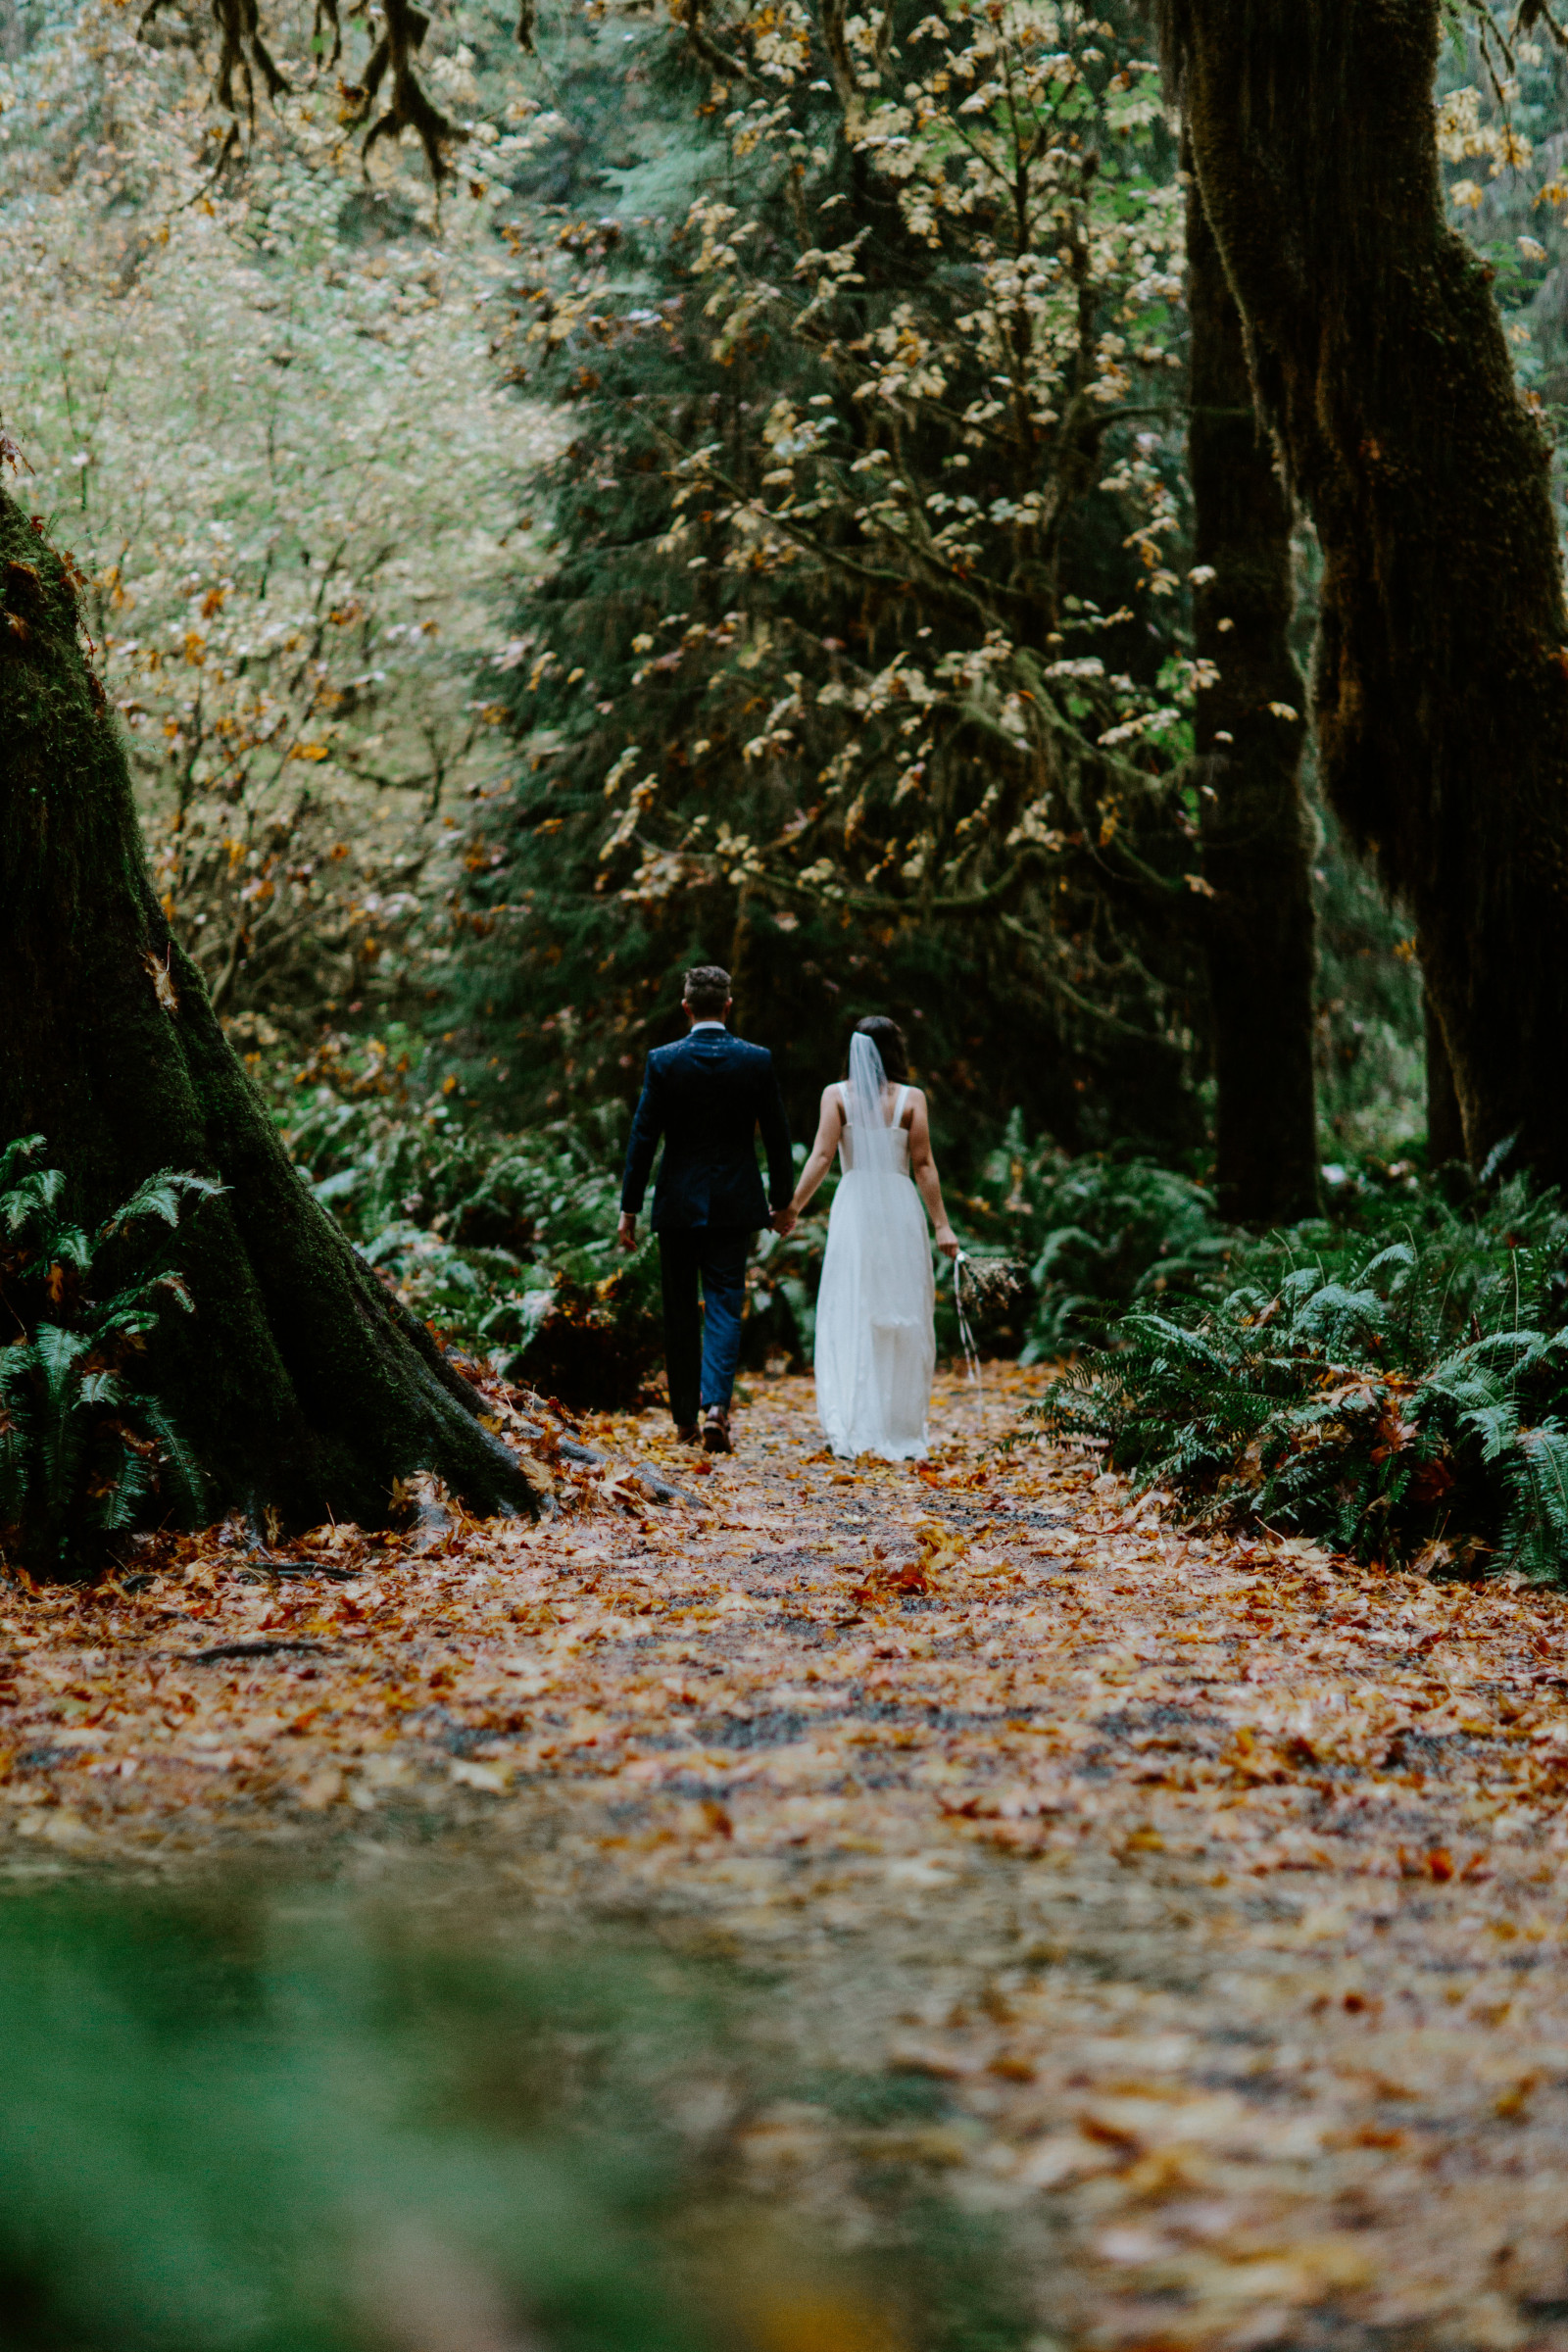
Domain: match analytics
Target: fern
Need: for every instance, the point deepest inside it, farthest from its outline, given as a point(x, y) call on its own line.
point(1098, 1234)
point(82, 1450)
point(1535, 1536)
point(505, 1242)
point(1397, 1391)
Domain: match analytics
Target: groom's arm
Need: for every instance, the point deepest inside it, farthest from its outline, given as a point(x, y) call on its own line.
point(774, 1123)
point(647, 1126)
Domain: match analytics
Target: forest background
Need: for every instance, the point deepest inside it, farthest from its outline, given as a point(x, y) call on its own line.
point(741, 511)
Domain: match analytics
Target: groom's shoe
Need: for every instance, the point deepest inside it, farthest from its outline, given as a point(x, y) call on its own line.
point(715, 1431)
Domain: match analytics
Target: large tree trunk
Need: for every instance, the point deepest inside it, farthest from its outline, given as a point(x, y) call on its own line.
point(297, 1384)
point(1259, 943)
point(1441, 677)
point(1445, 1127)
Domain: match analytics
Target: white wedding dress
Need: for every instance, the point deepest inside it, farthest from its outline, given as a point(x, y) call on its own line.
point(875, 1341)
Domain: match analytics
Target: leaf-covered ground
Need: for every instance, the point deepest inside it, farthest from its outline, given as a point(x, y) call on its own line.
point(1208, 1896)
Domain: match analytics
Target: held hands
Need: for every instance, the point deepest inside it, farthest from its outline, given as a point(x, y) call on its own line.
point(946, 1240)
point(783, 1222)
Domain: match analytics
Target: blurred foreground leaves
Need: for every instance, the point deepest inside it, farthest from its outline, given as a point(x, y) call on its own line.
point(230, 2125)
point(269, 2118)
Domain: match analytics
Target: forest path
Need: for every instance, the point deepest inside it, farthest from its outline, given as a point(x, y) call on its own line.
point(1215, 1892)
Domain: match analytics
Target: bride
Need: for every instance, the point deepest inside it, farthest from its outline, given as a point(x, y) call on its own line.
point(875, 1344)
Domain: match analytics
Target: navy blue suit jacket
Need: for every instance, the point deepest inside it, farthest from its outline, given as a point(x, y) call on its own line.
point(707, 1096)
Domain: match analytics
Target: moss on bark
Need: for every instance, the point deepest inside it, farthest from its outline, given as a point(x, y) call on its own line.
point(1259, 935)
point(1441, 674)
point(1445, 1127)
point(299, 1384)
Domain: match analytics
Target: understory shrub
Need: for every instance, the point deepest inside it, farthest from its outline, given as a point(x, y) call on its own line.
point(1397, 1385)
point(84, 1450)
point(504, 1243)
point(1096, 1234)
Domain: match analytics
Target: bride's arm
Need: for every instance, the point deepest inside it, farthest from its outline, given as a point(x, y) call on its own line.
point(830, 1126)
point(923, 1169)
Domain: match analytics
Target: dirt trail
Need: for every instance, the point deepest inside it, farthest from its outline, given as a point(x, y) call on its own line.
point(1213, 1893)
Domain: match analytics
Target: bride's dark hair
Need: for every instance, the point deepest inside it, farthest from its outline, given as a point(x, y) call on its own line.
point(888, 1039)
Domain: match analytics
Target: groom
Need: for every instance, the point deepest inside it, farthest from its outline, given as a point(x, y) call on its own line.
point(707, 1096)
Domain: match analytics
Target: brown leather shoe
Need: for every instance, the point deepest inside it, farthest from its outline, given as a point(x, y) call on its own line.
point(687, 1433)
point(715, 1431)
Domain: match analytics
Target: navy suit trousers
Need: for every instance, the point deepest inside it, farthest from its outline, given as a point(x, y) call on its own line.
point(702, 1350)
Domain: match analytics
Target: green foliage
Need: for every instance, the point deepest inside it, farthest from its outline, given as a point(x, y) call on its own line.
point(1397, 1385)
point(860, 622)
point(1095, 1233)
point(505, 1243)
point(229, 2133)
point(288, 558)
point(84, 1448)
point(781, 1286)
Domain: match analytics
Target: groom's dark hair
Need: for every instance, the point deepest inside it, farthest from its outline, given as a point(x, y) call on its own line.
point(707, 990)
point(888, 1039)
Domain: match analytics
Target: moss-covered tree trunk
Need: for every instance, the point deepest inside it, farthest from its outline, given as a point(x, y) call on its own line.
point(1445, 1127)
point(297, 1384)
point(1259, 933)
point(1440, 676)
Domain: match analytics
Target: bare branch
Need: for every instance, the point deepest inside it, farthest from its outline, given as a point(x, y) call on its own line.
point(408, 108)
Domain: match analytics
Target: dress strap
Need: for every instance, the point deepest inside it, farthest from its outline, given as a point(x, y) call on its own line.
point(897, 1107)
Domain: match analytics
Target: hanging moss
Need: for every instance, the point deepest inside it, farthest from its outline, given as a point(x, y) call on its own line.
point(300, 1384)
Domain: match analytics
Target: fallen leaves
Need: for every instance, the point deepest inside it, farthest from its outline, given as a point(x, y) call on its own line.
point(795, 1697)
